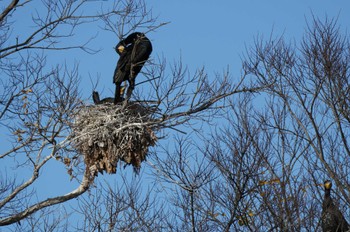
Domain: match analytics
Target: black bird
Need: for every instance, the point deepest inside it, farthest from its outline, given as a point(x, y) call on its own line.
point(134, 51)
point(97, 101)
point(332, 219)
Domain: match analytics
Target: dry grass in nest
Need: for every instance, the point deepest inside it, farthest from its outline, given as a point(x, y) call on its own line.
point(106, 134)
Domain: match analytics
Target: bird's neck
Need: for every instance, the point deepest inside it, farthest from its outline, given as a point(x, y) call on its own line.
point(327, 198)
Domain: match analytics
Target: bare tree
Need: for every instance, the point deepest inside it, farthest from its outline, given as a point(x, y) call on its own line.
point(283, 129)
point(38, 99)
point(305, 117)
point(262, 172)
point(180, 102)
point(127, 206)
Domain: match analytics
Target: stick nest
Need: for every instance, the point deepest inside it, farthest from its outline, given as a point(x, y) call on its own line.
point(107, 133)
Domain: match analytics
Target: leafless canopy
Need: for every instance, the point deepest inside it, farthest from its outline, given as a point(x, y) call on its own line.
point(39, 98)
point(284, 128)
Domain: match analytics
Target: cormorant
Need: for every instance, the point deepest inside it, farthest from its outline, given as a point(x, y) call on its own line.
point(134, 51)
point(332, 219)
point(97, 101)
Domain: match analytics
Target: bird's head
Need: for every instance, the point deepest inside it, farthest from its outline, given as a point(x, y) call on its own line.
point(327, 184)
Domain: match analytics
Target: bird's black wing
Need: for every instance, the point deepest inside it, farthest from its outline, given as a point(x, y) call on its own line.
point(122, 70)
point(141, 52)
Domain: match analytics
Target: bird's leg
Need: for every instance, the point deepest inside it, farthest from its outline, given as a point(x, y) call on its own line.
point(131, 80)
point(122, 91)
point(130, 88)
point(132, 72)
point(117, 93)
point(129, 91)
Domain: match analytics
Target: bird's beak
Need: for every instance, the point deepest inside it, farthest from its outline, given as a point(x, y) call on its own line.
point(121, 48)
point(328, 185)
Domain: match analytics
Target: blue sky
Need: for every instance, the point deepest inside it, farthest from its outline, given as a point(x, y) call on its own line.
point(215, 34)
point(210, 33)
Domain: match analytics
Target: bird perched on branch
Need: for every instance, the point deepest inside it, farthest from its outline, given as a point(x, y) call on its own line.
point(332, 219)
point(134, 51)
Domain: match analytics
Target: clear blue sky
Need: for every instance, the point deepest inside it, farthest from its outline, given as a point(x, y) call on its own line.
point(210, 33)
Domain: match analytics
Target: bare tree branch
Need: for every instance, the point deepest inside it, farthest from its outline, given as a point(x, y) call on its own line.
point(8, 9)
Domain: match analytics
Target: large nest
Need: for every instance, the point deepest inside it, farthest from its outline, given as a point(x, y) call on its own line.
point(107, 133)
